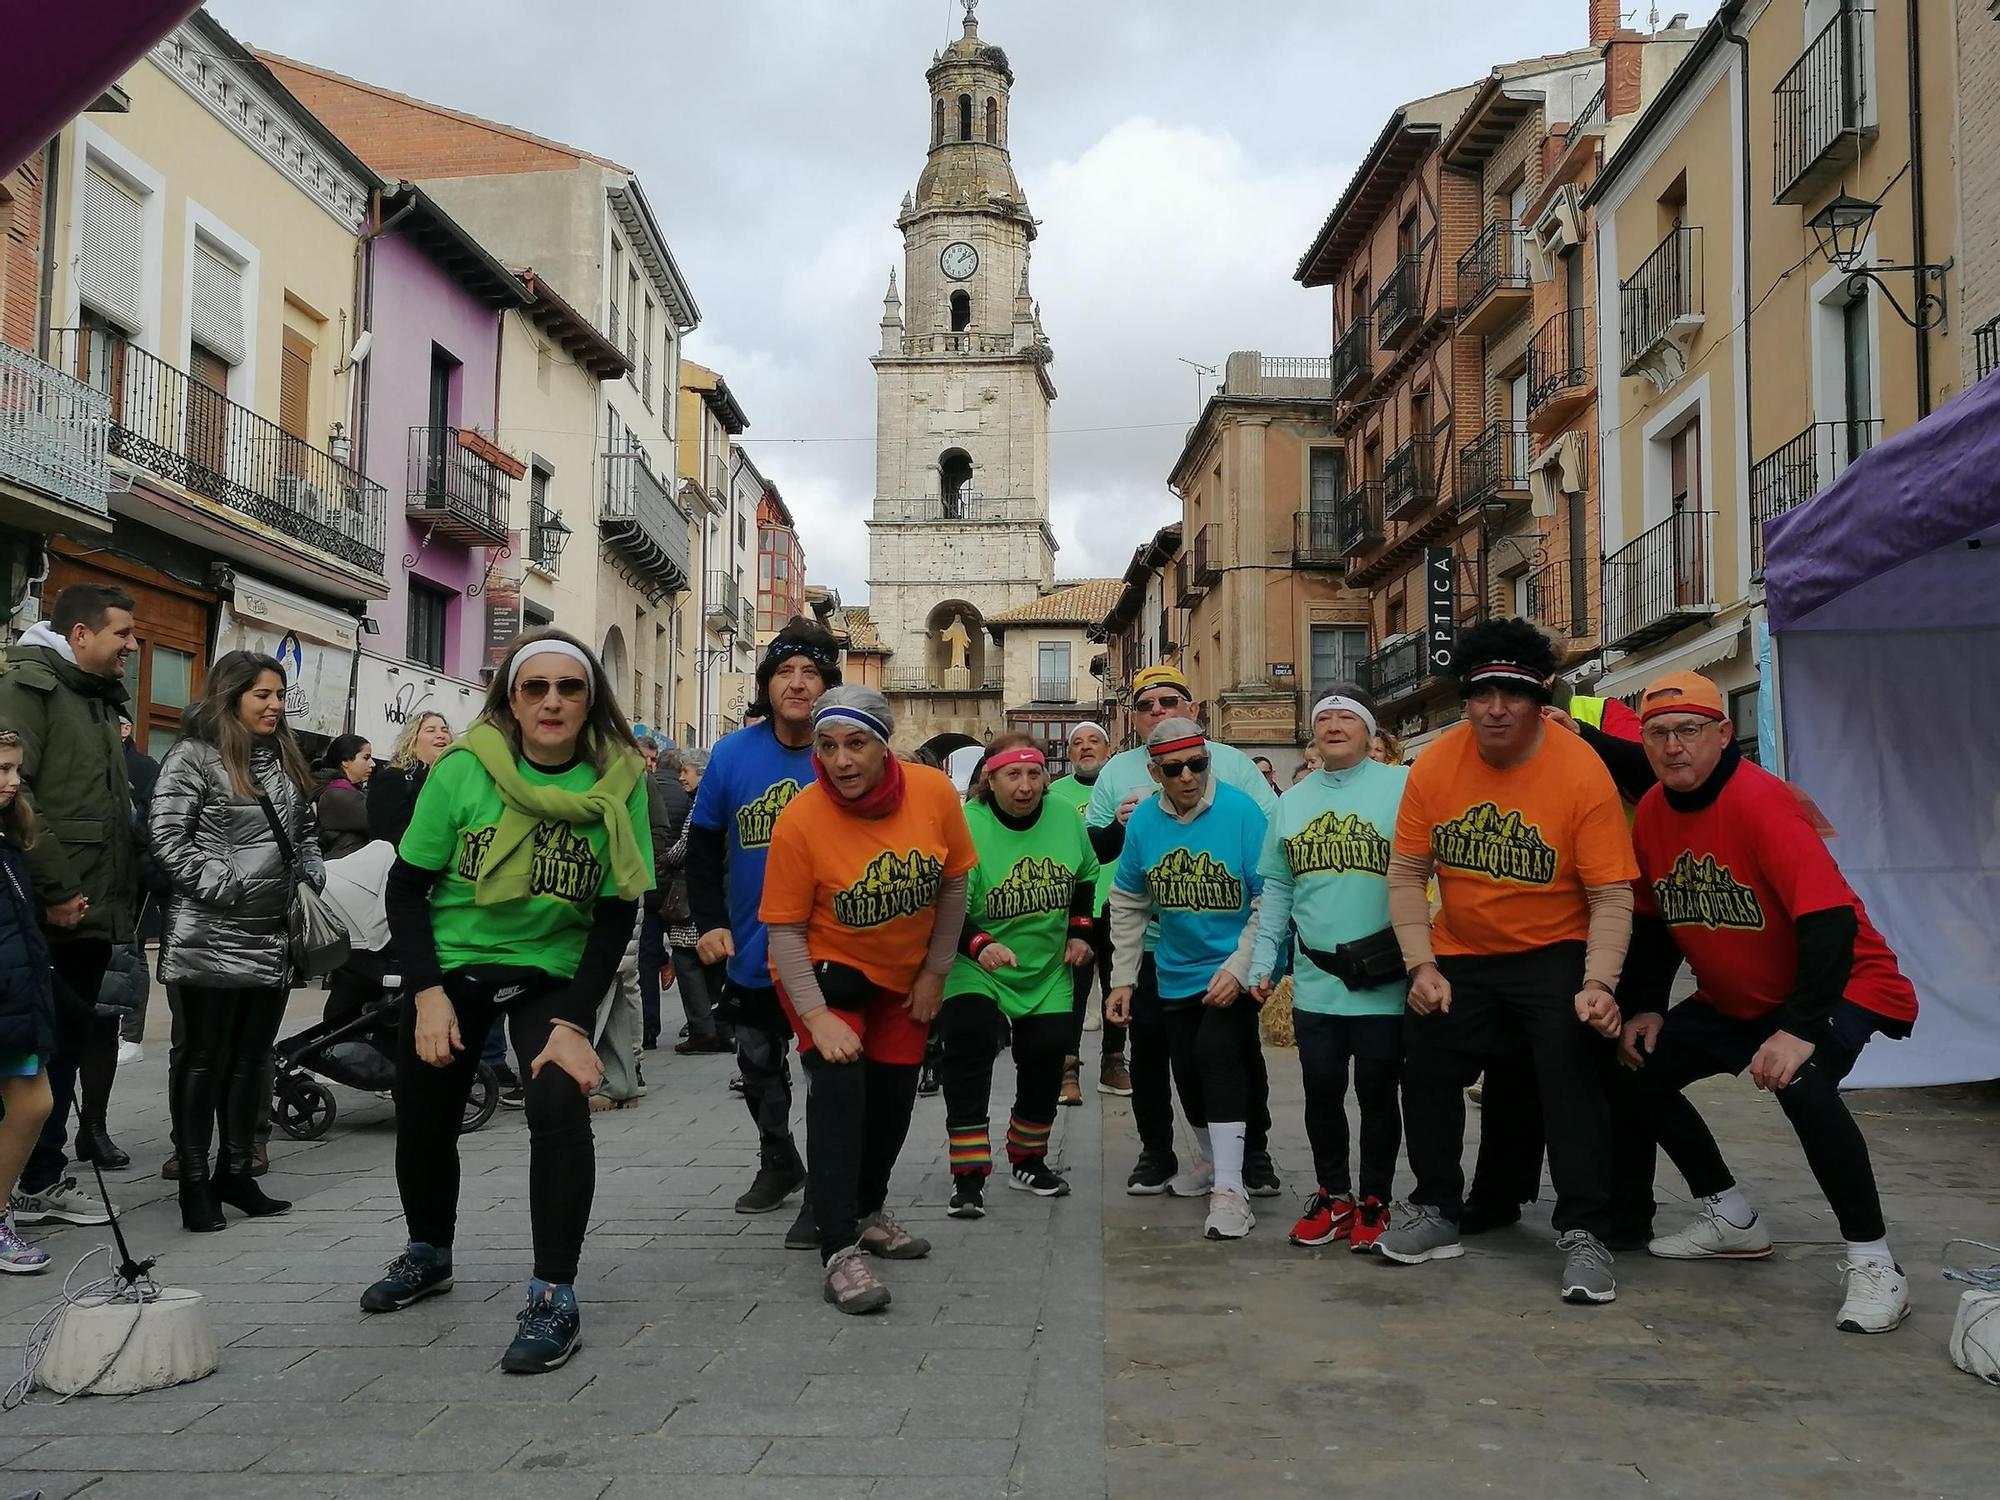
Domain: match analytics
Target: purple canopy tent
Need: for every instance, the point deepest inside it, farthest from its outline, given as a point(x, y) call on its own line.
point(1883, 596)
point(60, 57)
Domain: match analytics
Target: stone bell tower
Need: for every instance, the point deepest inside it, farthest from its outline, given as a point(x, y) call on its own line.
point(960, 528)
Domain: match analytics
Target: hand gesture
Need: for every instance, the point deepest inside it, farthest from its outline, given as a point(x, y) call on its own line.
point(997, 956)
point(1558, 716)
point(1132, 800)
point(437, 1035)
point(68, 913)
point(832, 1037)
point(715, 945)
point(1778, 1061)
point(1118, 1006)
point(1597, 1008)
point(1222, 990)
point(1263, 989)
point(570, 1050)
point(927, 996)
point(1641, 1035)
point(1429, 990)
point(1079, 954)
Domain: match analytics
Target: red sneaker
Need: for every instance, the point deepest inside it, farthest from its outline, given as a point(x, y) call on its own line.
point(1326, 1219)
point(1369, 1222)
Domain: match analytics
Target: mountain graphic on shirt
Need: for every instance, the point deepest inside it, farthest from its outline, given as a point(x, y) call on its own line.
point(1483, 840)
point(1703, 893)
point(1338, 844)
point(1032, 888)
point(755, 820)
point(564, 864)
point(1193, 880)
point(894, 885)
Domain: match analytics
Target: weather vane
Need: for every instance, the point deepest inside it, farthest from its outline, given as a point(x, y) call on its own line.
point(970, 7)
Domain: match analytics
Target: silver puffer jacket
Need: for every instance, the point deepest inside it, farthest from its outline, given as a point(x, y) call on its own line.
point(231, 890)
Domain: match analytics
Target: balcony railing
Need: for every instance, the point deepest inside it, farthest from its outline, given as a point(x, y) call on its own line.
point(746, 621)
point(1663, 581)
point(1361, 518)
point(1496, 267)
point(1397, 670)
point(1186, 590)
point(932, 509)
point(722, 608)
point(1821, 109)
point(55, 432)
point(1055, 690)
point(1207, 565)
point(1400, 302)
point(175, 427)
point(1562, 368)
point(1316, 539)
point(1559, 597)
point(1800, 470)
point(1592, 117)
point(959, 343)
point(1493, 467)
point(458, 495)
point(643, 526)
point(1352, 363)
point(718, 477)
point(1986, 348)
point(1661, 302)
point(1313, 367)
point(923, 681)
point(1409, 478)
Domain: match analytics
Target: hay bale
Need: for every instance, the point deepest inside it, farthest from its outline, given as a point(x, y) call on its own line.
point(1275, 1021)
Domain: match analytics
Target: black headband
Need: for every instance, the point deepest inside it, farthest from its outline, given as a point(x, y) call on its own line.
point(784, 647)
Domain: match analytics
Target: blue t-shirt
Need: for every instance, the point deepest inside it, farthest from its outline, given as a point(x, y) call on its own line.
point(749, 780)
point(1199, 879)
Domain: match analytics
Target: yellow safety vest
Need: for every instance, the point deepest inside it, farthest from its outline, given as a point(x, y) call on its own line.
point(1587, 711)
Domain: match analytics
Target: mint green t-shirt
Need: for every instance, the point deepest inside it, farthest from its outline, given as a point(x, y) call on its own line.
point(1020, 892)
point(1077, 794)
point(453, 824)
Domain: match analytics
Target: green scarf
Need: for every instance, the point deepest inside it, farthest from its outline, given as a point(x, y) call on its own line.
point(503, 876)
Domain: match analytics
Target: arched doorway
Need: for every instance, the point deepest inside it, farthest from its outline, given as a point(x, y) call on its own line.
point(616, 667)
point(955, 482)
point(956, 754)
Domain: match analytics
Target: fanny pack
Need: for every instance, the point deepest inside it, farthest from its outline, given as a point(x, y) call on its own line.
point(843, 986)
point(1364, 964)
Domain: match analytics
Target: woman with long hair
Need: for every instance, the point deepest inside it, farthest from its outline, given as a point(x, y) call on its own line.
point(393, 788)
point(514, 894)
point(1028, 921)
point(342, 803)
point(233, 827)
point(27, 1006)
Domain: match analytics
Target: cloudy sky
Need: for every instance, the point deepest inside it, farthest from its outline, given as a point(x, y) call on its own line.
point(1179, 153)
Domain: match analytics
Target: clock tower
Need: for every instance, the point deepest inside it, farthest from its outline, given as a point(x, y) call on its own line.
point(960, 527)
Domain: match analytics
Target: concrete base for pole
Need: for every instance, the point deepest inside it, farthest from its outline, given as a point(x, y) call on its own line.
point(106, 1348)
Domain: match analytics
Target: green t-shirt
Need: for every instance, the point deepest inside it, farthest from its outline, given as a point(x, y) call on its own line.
point(1020, 892)
point(450, 830)
point(1077, 794)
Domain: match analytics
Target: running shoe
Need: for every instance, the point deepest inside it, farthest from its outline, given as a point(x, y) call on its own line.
point(1370, 1220)
point(1034, 1176)
point(58, 1203)
point(1425, 1234)
point(1876, 1299)
point(1586, 1273)
point(1260, 1175)
point(1327, 1218)
point(1229, 1216)
point(1152, 1174)
point(17, 1256)
point(882, 1235)
point(1193, 1181)
point(130, 1052)
point(1113, 1077)
point(551, 1330)
point(851, 1285)
point(410, 1277)
point(1711, 1236)
point(968, 1196)
point(927, 1082)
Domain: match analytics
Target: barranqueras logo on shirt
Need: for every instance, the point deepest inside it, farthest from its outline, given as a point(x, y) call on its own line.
point(472, 847)
point(1483, 840)
point(564, 864)
point(1702, 893)
point(894, 885)
point(1187, 880)
point(1032, 888)
point(1338, 844)
point(755, 820)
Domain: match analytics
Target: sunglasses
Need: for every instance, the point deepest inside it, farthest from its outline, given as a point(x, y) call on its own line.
point(535, 689)
point(1165, 700)
point(1175, 770)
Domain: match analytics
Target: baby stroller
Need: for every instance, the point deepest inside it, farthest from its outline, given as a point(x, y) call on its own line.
point(354, 1042)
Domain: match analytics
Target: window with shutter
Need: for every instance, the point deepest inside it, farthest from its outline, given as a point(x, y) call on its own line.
point(111, 253)
point(216, 305)
point(295, 385)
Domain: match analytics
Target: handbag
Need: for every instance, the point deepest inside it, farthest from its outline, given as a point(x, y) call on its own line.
point(1365, 964)
point(318, 941)
point(843, 986)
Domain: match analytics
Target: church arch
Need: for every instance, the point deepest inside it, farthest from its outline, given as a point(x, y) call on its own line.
point(955, 632)
point(992, 122)
point(955, 482)
point(616, 668)
point(961, 311)
point(937, 122)
point(965, 117)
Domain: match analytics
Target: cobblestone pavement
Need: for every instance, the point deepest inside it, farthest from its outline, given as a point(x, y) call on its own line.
point(711, 1367)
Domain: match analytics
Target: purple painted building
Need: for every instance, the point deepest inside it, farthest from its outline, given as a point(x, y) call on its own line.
point(435, 300)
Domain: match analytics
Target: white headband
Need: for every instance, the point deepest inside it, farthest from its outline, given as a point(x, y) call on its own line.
point(554, 648)
point(1335, 703)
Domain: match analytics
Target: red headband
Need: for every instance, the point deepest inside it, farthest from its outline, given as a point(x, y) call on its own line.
point(1187, 742)
point(1016, 755)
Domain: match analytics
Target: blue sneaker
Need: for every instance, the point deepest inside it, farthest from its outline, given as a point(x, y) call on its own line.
point(551, 1331)
point(417, 1273)
point(17, 1256)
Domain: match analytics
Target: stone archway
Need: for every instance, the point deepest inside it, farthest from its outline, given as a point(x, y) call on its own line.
point(955, 633)
point(955, 754)
point(617, 666)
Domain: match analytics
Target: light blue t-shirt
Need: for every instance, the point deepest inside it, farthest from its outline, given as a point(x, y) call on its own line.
point(1199, 878)
point(750, 779)
point(1325, 864)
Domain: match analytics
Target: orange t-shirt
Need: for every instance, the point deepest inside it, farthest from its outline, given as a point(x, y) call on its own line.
point(1514, 849)
point(867, 888)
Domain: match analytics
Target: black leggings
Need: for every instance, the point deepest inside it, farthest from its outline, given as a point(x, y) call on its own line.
point(430, 1109)
point(1375, 1043)
point(762, 1035)
point(970, 1027)
point(1099, 970)
point(1212, 1050)
point(857, 1117)
point(219, 1076)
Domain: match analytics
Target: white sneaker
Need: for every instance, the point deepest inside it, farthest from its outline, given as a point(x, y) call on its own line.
point(1194, 1180)
point(1711, 1236)
point(130, 1052)
point(1877, 1298)
point(59, 1203)
point(1229, 1216)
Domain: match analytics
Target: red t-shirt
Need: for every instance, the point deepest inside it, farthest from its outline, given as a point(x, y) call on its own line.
point(1731, 879)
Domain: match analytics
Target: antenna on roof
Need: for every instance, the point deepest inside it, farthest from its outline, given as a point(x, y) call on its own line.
point(1202, 373)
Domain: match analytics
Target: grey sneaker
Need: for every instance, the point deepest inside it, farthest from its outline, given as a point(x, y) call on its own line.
point(1419, 1234)
point(1229, 1216)
point(1711, 1236)
point(850, 1284)
point(59, 1203)
point(882, 1235)
point(1195, 1180)
point(1586, 1268)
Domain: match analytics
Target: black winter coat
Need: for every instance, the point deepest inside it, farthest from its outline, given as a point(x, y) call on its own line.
point(27, 991)
point(392, 800)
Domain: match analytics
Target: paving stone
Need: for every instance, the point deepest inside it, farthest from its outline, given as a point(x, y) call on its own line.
point(928, 1456)
point(182, 1453)
point(432, 1453)
point(648, 1455)
point(821, 1419)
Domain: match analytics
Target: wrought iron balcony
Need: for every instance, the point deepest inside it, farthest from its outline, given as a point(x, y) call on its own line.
point(55, 433)
point(932, 509)
point(1662, 582)
point(1186, 589)
point(722, 608)
point(1353, 357)
point(1986, 347)
point(1316, 540)
point(1207, 569)
point(1397, 670)
point(1799, 470)
point(746, 624)
point(1361, 518)
point(454, 492)
point(1660, 306)
point(1054, 690)
point(1822, 114)
point(1562, 369)
point(1400, 303)
point(1493, 467)
point(1559, 597)
point(645, 530)
point(1410, 479)
point(1493, 282)
point(175, 427)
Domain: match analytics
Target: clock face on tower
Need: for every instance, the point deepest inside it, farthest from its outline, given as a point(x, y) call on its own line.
point(959, 260)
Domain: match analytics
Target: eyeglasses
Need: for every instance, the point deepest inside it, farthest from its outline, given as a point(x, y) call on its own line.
point(1685, 734)
point(1165, 700)
point(535, 689)
point(1175, 770)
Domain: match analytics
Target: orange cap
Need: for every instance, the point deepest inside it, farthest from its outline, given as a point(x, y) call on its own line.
point(1683, 693)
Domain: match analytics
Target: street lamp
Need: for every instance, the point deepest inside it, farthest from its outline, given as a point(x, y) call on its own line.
point(555, 535)
point(1841, 230)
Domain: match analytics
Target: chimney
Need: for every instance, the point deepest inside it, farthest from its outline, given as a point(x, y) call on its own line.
point(1624, 81)
point(1603, 21)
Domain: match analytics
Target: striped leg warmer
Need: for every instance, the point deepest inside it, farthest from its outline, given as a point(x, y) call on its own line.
point(1027, 1140)
point(970, 1149)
